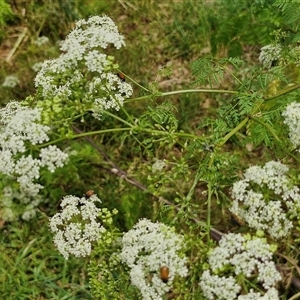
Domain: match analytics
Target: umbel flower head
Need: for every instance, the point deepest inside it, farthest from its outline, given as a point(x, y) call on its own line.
point(21, 128)
point(269, 54)
point(243, 257)
point(77, 226)
point(292, 119)
point(10, 81)
point(265, 198)
point(83, 74)
point(152, 252)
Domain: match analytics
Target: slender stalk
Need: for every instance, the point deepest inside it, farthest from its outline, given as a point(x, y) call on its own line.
point(155, 95)
point(283, 92)
point(176, 134)
point(266, 126)
point(17, 44)
point(276, 137)
point(228, 71)
point(117, 118)
point(75, 136)
point(209, 208)
point(232, 132)
point(126, 113)
point(136, 83)
point(296, 296)
point(196, 180)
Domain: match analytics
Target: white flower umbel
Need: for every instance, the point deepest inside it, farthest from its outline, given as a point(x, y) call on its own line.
point(36, 66)
point(52, 157)
point(158, 166)
point(10, 81)
point(151, 251)
point(41, 40)
point(77, 226)
point(220, 288)
point(11, 210)
point(265, 198)
point(271, 294)
point(20, 127)
point(292, 119)
point(268, 54)
point(108, 82)
point(84, 73)
point(238, 255)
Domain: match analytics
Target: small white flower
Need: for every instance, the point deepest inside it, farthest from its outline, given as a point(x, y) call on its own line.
point(7, 164)
point(52, 157)
point(84, 71)
point(37, 66)
point(237, 255)
point(113, 92)
point(41, 40)
point(20, 126)
point(7, 214)
point(158, 166)
point(29, 213)
point(148, 247)
point(221, 287)
point(266, 207)
point(269, 53)
point(94, 32)
point(9, 207)
point(21, 123)
point(11, 81)
point(76, 227)
point(271, 294)
point(292, 119)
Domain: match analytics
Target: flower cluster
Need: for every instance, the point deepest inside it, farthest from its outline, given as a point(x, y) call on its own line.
point(77, 225)
point(37, 66)
point(269, 53)
point(243, 256)
point(83, 72)
point(151, 251)
point(292, 120)
point(10, 81)
point(20, 127)
point(158, 166)
point(10, 209)
point(265, 197)
point(41, 40)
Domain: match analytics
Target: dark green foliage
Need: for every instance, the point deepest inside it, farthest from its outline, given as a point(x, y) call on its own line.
point(108, 277)
point(5, 14)
point(159, 118)
point(291, 12)
point(189, 28)
point(163, 117)
point(209, 70)
point(291, 19)
point(236, 24)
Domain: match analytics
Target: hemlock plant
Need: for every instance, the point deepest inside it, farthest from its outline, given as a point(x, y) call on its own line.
point(154, 260)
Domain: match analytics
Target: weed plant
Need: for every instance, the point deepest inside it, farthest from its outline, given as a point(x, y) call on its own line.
point(166, 169)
